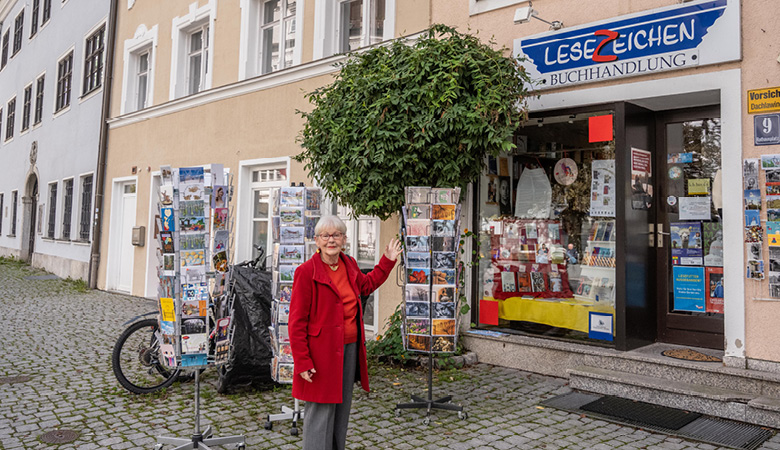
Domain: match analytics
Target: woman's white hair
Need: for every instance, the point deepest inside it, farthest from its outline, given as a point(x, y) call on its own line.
point(328, 223)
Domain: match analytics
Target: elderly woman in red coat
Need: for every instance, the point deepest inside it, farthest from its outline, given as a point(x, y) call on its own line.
point(326, 333)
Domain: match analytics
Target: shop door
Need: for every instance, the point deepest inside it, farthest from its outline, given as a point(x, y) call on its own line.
point(689, 245)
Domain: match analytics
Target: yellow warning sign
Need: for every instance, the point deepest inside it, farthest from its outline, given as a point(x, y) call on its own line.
point(763, 100)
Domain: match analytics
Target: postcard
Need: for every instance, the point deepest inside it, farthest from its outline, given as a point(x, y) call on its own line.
point(313, 199)
point(443, 293)
point(416, 293)
point(444, 327)
point(192, 241)
point(282, 333)
point(443, 310)
point(196, 308)
point(286, 273)
point(192, 224)
point(418, 227)
point(753, 199)
point(285, 292)
point(417, 244)
point(191, 258)
point(309, 224)
point(169, 263)
point(444, 260)
point(166, 175)
point(754, 234)
point(221, 352)
point(418, 343)
point(220, 241)
point(418, 326)
point(283, 311)
point(291, 235)
point(417, 194)
point(168, 327)
point(194, 343)
point(166, 194)
point(445, 276)
point(445, 244)
point(285, 374)
point(443, 227)
point(750, 173)
point(418, 260)
point(291, 254)
point(219, 197)
point(194, 360)
point(291, 196)
point(167, 310)
point(285, 353)
point(772, 176)
point(168, 221)
point(417, 309)
point(193, 275)
point(291, 216)
point(220, 261)
point(537, 282)
point(443, 344)
point(418, 276)
point(195, 291)
point(753, 216)
point(443, 212)
point(191, 175)
point(772, 234)
point(166, 242)
point(191, 192)
point(220, 219)
point(418, 211)
point(770, 161)
point(168, 355)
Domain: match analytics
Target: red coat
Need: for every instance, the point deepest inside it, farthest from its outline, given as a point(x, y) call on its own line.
point(316, 326)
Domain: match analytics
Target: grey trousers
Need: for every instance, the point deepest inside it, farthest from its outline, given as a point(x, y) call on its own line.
point(325, 424)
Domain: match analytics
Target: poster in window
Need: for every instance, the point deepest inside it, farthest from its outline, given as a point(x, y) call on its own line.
point(689, 289)
point(641, 179)
point(714, 289)
point(686, 242)
point(602, 188)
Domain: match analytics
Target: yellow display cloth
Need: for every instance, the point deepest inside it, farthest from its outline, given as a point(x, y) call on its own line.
point(562, 313)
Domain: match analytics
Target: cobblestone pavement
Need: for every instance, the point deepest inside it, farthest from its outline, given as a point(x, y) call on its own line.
point(62, 338)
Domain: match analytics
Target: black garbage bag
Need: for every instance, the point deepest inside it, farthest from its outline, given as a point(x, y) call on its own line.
point(251, 353)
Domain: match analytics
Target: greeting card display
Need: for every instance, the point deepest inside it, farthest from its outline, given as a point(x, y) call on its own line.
point(194, 242)
point(431, 230)
point(295, 213)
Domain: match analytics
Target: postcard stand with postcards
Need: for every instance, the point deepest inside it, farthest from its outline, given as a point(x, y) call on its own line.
point(431, 235)
point(296, 211)
point(194, 242)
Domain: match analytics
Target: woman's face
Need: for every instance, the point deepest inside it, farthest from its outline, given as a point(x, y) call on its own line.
point(330, 241)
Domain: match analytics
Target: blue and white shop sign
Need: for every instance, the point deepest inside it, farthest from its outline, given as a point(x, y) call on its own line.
point(691, 34)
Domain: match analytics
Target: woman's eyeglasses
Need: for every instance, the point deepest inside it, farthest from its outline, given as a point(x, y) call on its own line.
point(326, 236)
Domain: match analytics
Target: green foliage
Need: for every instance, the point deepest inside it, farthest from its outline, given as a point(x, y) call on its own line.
point(412, 114)
point(79, 285)
point(12, 262)
point(389, 347)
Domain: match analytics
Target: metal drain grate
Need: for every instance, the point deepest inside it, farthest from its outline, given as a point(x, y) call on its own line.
point(16, 379)
point(657, 416)
point(711, 430)
point(59, 436)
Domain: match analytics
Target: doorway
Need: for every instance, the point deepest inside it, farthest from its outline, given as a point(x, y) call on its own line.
point(121, 251)
point(30, 202)
point(689, 228)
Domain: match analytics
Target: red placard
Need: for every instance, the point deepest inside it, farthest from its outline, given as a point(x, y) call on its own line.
point(600, 128)
point(714, 291)
point(488, 312)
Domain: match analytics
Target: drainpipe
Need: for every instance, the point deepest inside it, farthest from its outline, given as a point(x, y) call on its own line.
point(100, 177)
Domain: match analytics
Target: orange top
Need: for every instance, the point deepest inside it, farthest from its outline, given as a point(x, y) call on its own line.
point(349, 299)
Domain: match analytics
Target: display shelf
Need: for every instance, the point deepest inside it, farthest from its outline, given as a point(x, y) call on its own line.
point(565, 313)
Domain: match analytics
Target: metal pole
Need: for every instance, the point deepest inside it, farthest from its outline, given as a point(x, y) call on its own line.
point(197, 401)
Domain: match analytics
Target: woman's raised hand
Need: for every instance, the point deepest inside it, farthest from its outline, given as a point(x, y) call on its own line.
point(393, 249)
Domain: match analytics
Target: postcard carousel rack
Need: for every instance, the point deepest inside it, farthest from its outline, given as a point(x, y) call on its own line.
point(296, 211)
point(194, 239)
point(431, 236)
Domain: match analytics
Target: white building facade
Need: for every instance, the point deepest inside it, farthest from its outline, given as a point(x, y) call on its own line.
point(52, 65)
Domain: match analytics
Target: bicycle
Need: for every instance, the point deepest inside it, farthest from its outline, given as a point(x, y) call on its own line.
point(136, 360)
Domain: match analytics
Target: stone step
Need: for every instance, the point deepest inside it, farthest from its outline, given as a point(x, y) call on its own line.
point(727, 403)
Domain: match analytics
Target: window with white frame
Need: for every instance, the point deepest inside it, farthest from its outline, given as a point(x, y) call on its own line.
point(263, 181)
point(197, 59)
point(14, 207)
point(277, 35)
point(4, 52)
point(93, 60)
point(18, 32)
point(26, 107)
point(36, 6)
point(39, 84)
point(352, 24)
point(46, 15)
point(64, 81)
point(363, 245)
point(52, 210)
point(86, 207)
point(10, 118)
point(142, 78)
point(67, 207)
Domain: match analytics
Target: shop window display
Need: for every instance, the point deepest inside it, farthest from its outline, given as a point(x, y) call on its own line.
point(548, 229)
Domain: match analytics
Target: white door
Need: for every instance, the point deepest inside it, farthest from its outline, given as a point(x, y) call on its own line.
point(124, 245)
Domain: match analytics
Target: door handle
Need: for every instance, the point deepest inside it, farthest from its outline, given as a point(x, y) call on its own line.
point(664, 234)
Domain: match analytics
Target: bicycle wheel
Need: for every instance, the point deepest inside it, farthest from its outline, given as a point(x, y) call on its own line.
point(135, 359)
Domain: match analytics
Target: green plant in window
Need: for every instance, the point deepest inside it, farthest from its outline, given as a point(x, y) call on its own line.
point(422, 113)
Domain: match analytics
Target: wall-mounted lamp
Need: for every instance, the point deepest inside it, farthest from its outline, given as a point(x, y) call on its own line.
point(571, 118)
point(525, 13)
point(539, 122)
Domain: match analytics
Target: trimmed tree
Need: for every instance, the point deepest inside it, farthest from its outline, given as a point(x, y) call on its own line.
point(423, 113)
